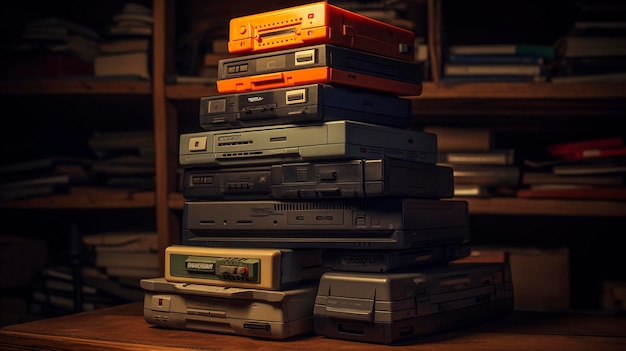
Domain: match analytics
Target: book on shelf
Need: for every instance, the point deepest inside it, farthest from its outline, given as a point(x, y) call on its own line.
point(598, 27)
point(50, 65)
point(125, 30)
point(134, 19)
point(478, 190)
point(129, 259)
point(138, 182)
point(65, 272)
point(33, 191)
point(574, 192)
point(67, 286)
point(575, 150)
point(51, 164)
point(545, 51)
point(595, 153)
point(77, 46)
point(41, 177)
point(586, 166)
point(492, 69)
point(58, 27)
point(37, 180)
point(54, 291)
point(582, 66)
point(44, 303)
point(591, 46)
point(533, 178)
point(117, 166)
point(451, 138)
point(219, 45)
point(490, 175)
point(136, 273)
point(97, 279)
point(591, 78)
point(135, 64)
point(115, 143)
point(481, 157)
point(608, 167)
point(124, 45)
point(122, 241)
point(58, 35)
point(497, 58)
point(35, 186)
point(208, 79)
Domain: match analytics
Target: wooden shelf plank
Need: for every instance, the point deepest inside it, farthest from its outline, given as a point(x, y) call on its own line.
point(521, 90)
point(515, 206)
point(189, 91)
point(547, 207)
point(87, 198)
point(76, 86)
point(442, 90)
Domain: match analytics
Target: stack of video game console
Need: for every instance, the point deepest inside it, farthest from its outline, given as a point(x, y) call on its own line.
point(310, 204)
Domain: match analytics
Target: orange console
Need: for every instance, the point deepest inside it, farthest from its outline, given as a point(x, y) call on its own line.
point(318, 23)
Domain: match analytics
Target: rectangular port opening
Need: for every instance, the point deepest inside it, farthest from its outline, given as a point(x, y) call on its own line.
point(304, 57)
point(295, 96)
point(264, 327)
point(351, 329)
point(404, 331)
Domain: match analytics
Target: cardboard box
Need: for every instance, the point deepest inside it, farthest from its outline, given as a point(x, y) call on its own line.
point(541, 277)
point(614, 295)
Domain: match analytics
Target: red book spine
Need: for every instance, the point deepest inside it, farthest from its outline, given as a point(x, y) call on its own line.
point(568, 150)
point(596, 153)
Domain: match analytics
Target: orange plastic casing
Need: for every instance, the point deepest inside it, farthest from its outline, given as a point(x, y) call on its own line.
point(318, 23)
point(318, 75)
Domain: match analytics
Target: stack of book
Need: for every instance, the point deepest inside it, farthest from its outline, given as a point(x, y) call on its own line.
point(125, 52)
point(43, 176)
point(581, 169)
point(594, 50)
point(479, 168)
point(124, 159)
point(51, 47)
point(54, 291)
point(498, 62)
point(125, 255)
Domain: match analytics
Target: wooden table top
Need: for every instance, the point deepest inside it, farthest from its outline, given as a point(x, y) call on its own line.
point(124, 328)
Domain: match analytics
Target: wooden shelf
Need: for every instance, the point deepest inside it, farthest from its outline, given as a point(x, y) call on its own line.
point(86, 198)
point(546, 207)
point(76, 86)
point(515, 206)
point(442, 90)
point(542, 91)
